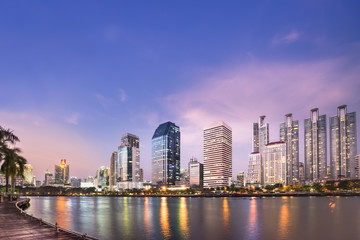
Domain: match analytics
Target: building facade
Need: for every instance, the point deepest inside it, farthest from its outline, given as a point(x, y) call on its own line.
point(343, 144)
point(102, 178)
point(217, 155)
point(28, 174)
point(196, 170)
point(315, 147)
point(129, 158)
point(254, 174)
point(62, 173)
point(166, 154)
point(289, 133)
point(113, 170)
point(357, 167)
point(241, 179)
point(49, 179)
point(275, 163)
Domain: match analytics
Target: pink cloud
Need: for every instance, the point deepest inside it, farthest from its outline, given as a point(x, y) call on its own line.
point(286, 38)
point(239, 95)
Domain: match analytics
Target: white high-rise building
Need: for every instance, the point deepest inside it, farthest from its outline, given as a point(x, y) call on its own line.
point(196, 170)
point(289, 133)
point(357, 167)
point(217, 155)
point(253, 177)
point(128, 165)
point(275, 164)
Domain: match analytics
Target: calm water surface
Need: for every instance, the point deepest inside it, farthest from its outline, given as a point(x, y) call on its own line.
point(204, 218)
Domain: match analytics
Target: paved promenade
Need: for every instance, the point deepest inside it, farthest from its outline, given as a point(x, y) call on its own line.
point(13, 225)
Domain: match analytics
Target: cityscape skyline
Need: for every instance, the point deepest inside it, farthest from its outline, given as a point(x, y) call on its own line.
point(82, 81)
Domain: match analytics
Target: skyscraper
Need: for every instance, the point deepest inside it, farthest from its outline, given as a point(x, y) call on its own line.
point(113, 167)
point(357, 167)
point(217, 155)
point(275, 163)
point(196, 170)
point(343, 142)
point(166, 154)
point(254, 175)
point(28, 174)
point(129, 158)
point(49, 178)
point(315, 147)
point(62, 173)
point(260, 139)
point(289, 133)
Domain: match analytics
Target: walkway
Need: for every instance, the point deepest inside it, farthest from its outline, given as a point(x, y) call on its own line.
point(13, 225)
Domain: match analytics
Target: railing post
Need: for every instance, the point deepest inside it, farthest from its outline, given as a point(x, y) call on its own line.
point(84, 236)
point(40, 221)
point(56, 227)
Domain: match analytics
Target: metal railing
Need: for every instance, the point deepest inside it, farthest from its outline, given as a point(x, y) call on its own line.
point(56, 226)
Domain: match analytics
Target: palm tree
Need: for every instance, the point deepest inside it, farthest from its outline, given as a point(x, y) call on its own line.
point(13, 166)
point(13, 163)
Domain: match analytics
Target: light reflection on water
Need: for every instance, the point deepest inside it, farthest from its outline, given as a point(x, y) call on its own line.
point(203, 218)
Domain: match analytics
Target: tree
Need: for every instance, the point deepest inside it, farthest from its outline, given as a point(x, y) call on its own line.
point(13, 166)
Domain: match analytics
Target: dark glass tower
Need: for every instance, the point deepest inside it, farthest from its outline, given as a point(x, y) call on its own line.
point(289, 133)
point(315, 147)
point(166, 154)
point(343, 148)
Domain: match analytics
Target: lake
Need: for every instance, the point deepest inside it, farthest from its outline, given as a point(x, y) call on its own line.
point(204, 218)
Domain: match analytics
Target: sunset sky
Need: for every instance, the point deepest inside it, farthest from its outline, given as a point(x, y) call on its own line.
point(76, 75)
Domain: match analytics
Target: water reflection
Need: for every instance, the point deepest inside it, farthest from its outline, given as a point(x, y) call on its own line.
point(62, 212)
point(147, 218)
point(284, 219)
point(164, 219)
point(253, 216)
point(226, 213)
point(183, 215)
point(332, 205)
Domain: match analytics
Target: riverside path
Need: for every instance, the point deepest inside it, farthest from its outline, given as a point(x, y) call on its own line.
point(14, 225)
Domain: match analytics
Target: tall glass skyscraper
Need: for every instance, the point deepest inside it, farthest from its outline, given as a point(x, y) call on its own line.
point(217, 155)
point(166, 154)
point(315, 147)
point(260, 139)
point(113, 167)
point(129, 159)
point(343, 142)
point(289, 133)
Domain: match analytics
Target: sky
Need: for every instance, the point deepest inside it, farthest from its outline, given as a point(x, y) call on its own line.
point(75, 76)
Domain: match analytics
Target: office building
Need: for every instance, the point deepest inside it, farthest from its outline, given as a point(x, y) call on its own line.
point(62, 173)
point(289, 133)
point(28, 175)
point(102, 178)
point(357, 167)
point(217, 155)
point(315, 147)
point(241, 179)
point(129, 158)
point(196, 170)
point(75, 182)
point(141, 175)
point(49, 178)
point(254, 173)
point(343, 144)
point(275, 163)
point(301, 173)
point(113, 167)
point(166, 154)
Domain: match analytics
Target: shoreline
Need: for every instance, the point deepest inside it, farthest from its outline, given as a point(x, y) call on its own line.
point(244, 195)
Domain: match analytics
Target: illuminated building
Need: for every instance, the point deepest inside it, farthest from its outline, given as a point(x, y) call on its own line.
point(129, 159)
point(217, 155)
point(315, 147)
point(357, 167)
point(301, 173)
point(166, 154)
point(113, 167)
point(75, 182)
point(196, 170)
point(241, 179)
point(275, 169)
point(289, 133)
point(254, 173)
point(28, 174)
point(141, 175)
point(343, 148)
point(62, 173)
